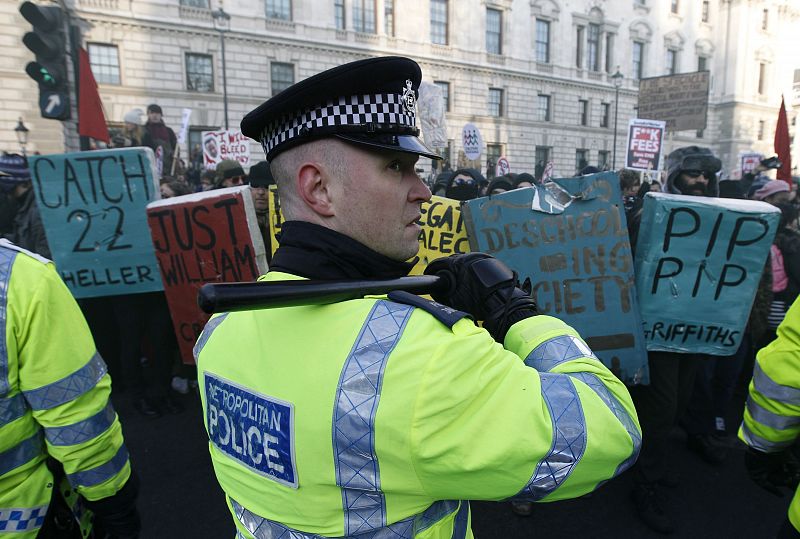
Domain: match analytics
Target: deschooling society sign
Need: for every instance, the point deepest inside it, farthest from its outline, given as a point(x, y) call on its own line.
point(698, 264)
point(570, 238)
point(93, 210)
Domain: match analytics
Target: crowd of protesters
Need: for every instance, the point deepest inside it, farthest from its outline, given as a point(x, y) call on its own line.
point(134, 333)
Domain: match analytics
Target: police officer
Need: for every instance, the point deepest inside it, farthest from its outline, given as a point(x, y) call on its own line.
point(382, 415)
point(55, 412)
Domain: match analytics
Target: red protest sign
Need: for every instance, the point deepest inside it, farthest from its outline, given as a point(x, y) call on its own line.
point(645, 144)
point(209, 237)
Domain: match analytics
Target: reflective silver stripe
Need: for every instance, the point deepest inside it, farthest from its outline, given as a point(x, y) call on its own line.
point(569, 437)
point(211, 325)
point(7, 257)
point(12, 408)
point(101, 473)
point(408, 528)
point(83, 430)
point(357, 471)
point(774, 391)
point(23, 452)
point(762, 444)
point(23, 519)
point(557, 350)
point(619, 412)
point(69, 388)
point(770, 419)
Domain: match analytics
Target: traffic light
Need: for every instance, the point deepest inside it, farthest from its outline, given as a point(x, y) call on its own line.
point(48, 42)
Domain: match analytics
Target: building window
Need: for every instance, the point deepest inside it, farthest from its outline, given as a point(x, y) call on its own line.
point(699, 133)
point(762, 78)
point(638, 59)
point(702, 63)
point(671, 61)
point(543, 108)
point(765, 19)
point(388, 17)
point(104, 60)
point(609, 52)
point(281, 76)
point(338, 14)
point(199, 72)
point(542, 41)
point(594, 47)
point(673, 7)
point(640, 2)
point(579, 46)
point(203, 4)
point(542, 157)
point(445, 87)
point(603, 159)
point(761, 129)
point(605, 115)
point(495, 102)
point(583, 111)
point(581, 159)
point(493, 153)
point(494, 31)
point(439, 22)
point(279, 9)
point(364, 16)
point(704, 12)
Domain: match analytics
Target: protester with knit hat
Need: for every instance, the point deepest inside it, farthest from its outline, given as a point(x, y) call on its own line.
point(774, 192)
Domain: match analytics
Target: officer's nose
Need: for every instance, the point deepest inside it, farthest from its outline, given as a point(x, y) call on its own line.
point(419, 192)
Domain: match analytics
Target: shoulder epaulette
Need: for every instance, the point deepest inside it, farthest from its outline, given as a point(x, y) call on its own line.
point(444, 314)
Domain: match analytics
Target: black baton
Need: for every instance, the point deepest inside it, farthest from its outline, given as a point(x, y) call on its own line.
point(223, 297)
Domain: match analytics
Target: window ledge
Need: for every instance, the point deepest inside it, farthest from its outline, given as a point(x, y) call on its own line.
point(595, 75)
point(190, 12)
point(281, 25)
point(101, 4)
point(341, 34)
point(497, 59)
point(640, 9)
point(367, 37)
point(544, 68)
point(444, 50)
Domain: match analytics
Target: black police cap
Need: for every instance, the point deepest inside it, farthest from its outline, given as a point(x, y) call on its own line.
point(369, 102)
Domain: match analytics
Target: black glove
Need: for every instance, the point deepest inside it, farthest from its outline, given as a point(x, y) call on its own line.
point(485, 288)
point(116, 516)
point(772, 471)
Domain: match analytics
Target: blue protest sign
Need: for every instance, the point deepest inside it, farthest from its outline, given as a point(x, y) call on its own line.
point(698, 264)
point(571, 240)
point(93, 209)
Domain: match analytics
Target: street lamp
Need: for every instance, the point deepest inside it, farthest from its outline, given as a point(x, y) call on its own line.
point(22, 135)
point(222, 24)
point(616, 79)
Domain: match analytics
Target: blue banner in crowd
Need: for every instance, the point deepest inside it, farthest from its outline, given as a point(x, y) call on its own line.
point(698, 264)
point(93, 209)
point(570, 239)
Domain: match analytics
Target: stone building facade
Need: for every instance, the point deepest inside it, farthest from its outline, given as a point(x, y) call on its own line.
point(533, 75)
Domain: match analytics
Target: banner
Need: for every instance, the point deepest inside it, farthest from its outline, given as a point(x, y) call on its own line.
point(645, 146)
point(698, 264)
point(186, 115)
point(225, 144)
point(93, 210)
point(443, 232)
point(570, 239)
point(207, 237)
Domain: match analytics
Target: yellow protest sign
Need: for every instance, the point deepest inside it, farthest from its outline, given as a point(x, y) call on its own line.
point(275, 217)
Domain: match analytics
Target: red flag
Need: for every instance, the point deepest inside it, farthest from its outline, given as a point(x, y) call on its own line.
point(782, 146)
point(91, 120)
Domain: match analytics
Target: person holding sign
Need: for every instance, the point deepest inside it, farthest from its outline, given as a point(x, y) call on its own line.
point(57, 424)
point(381, 416)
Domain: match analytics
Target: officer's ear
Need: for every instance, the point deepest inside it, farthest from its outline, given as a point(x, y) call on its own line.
point(314, 188)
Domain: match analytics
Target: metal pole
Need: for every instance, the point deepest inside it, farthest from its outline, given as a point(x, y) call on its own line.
point(616, 110)
point(224, 78)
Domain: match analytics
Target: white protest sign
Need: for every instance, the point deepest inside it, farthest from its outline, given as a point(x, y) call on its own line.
point(225, 144)
point(503, 167)
point(187, 114)
point(472, 141)
point(645, 144)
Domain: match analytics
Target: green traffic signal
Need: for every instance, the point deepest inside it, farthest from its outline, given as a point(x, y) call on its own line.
point(42, 75)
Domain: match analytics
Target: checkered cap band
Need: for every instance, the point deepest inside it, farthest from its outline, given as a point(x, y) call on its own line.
point(379, 109)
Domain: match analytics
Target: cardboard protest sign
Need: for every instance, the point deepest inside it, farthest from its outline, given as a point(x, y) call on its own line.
point(443, 232)
point(225, 144)
point(570, 238)
point(207, 237)
point(503, 167)
point(645, 145)
point(698, 264)
point(275, 218)
point(93, 210)
point(679, 100)
point(749, 161)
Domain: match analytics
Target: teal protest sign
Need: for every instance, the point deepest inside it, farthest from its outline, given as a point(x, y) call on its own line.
point(570, 239)
point(93, 209)
point(698, 264)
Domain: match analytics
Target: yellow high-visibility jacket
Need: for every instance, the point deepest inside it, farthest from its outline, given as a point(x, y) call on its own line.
point(772, 412)
point(382, 415)
point(54, 397)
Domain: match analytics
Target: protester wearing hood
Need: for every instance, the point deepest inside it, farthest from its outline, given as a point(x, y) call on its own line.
point(131, 134)
point(691, 170)
point(501, 184)
point(27, 230)
point(523, 180)
point(465, 184)
point(441, 183)
point(157, 134)
point(260, 178)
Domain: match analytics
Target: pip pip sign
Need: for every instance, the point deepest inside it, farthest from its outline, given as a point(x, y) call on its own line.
point(698, 263)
